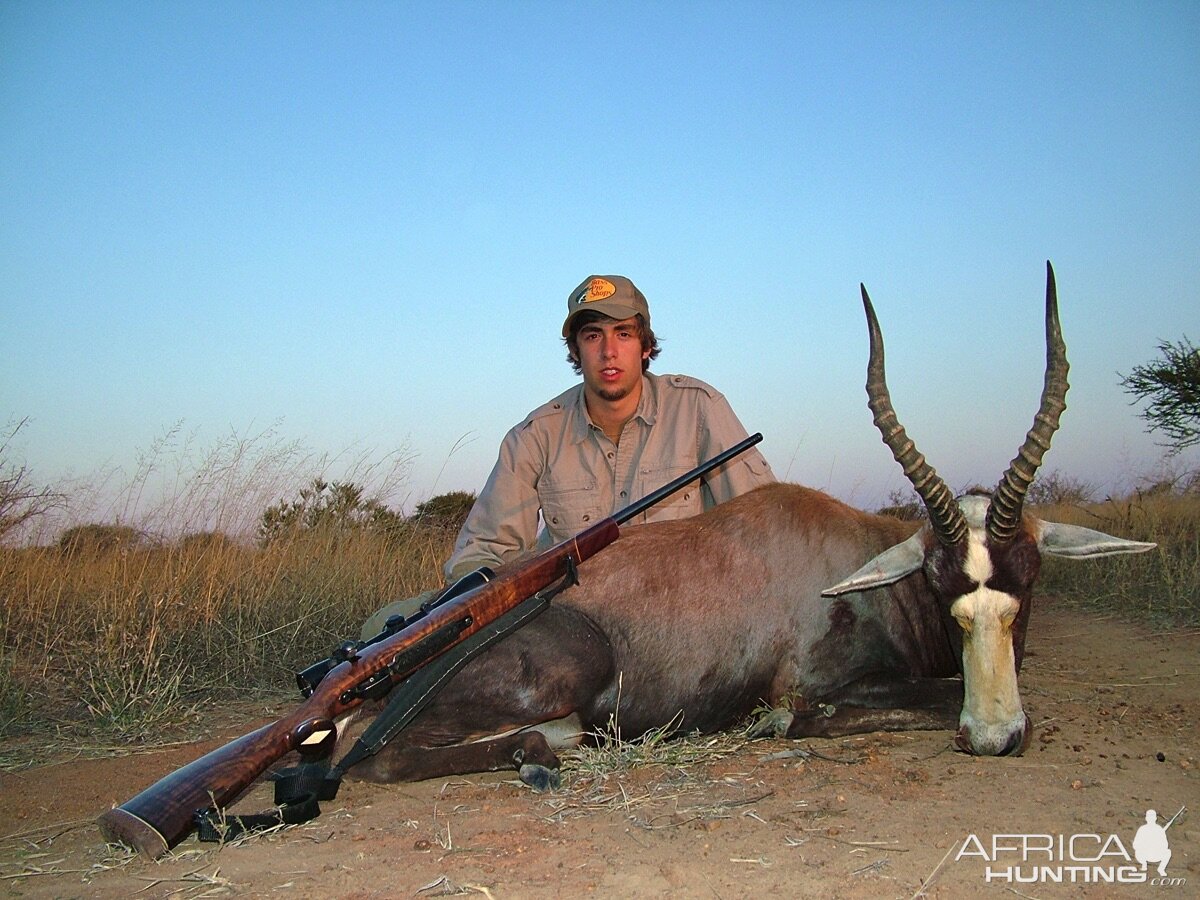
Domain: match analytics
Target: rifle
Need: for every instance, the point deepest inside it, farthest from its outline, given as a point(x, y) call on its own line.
point(166, 812)
point(1171, 822)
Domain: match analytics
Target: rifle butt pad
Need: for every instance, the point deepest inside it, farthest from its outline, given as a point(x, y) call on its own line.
point(122, 827)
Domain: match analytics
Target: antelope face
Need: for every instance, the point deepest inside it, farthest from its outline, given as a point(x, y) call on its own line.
point(986, 587)
point(990, 606)
point(981, 560)
point(992, 722)
point(981, 555)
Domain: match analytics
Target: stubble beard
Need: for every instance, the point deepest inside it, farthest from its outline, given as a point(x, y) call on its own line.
point(612, 394)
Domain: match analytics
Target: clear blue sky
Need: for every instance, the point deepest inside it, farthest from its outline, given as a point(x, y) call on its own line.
point(356, 224)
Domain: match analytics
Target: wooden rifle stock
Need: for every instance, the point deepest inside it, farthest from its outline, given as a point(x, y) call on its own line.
point(163, 815)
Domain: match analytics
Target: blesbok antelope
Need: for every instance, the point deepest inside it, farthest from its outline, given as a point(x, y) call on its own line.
point(695, 622)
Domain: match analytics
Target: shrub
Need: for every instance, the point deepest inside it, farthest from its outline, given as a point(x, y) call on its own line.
point(99, 539)
point(328, 506)
point(446, 511)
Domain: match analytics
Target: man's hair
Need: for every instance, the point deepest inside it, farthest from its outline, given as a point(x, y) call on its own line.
point(645, 332)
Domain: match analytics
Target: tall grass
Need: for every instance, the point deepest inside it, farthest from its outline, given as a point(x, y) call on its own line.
point(126, 626)
point(1161, 587)
point(129, 639)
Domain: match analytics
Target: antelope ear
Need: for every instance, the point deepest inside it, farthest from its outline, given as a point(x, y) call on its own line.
point(1078, 542)
point(889, 566)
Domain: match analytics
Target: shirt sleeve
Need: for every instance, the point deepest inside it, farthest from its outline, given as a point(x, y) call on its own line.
point(721, 429)
point(503, 523)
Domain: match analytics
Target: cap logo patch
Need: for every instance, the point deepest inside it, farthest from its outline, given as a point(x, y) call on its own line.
point(598, 289)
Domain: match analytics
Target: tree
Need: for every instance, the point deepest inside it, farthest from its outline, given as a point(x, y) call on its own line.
point(904, 505)
point(1171, 387)
point(20, 499)
point(1056, 488)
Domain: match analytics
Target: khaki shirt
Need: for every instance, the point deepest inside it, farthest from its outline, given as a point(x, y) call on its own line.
point(558, 463)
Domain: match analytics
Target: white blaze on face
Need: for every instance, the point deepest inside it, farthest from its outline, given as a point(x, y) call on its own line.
point(991, 713)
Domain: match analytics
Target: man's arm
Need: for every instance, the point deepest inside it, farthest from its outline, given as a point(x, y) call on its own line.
point(503, 523)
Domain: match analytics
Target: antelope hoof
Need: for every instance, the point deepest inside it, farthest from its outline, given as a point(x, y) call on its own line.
point(774, 724)
point(540, 778)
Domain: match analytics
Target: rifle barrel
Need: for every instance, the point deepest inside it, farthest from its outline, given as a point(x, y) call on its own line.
point(656, 496)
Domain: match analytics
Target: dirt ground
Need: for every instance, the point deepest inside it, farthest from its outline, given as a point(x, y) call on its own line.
point(881, 815)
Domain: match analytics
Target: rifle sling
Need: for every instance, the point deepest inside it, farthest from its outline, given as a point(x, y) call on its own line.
point(299, 789)
point(414, 693)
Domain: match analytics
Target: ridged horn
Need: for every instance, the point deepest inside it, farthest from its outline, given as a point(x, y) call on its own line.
point(1004, 514)
point(945, 517)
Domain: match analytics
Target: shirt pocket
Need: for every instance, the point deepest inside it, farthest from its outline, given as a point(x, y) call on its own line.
point(568, 507)
point(685, 502)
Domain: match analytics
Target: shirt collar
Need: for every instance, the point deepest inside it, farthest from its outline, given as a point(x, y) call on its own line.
point(647, 409)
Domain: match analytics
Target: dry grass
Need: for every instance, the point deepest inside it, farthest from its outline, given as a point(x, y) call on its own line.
point(1161, 587)
point(128, 640)
point(144, 595)
point(657, 771)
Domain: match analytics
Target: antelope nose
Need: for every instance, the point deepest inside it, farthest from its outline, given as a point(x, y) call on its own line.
point(1012, 744)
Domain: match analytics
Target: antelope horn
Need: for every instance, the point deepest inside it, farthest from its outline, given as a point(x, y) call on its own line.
point(1004, 514)
point(944, 515)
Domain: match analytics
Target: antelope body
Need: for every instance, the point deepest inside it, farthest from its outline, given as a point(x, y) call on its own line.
point(691, 624)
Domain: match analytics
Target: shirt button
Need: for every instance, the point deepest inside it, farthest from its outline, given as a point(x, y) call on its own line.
point(554, 519)
point(587, 518)
point(610, 454)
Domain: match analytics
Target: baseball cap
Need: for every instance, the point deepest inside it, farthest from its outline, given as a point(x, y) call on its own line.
point(612, 295)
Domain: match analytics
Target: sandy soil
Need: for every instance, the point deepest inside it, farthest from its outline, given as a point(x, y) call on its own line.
point(873, 816)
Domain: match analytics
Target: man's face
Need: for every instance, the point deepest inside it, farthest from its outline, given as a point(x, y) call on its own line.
point(610, 354)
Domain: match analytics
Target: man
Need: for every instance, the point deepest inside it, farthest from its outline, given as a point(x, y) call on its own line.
point(602, 444)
